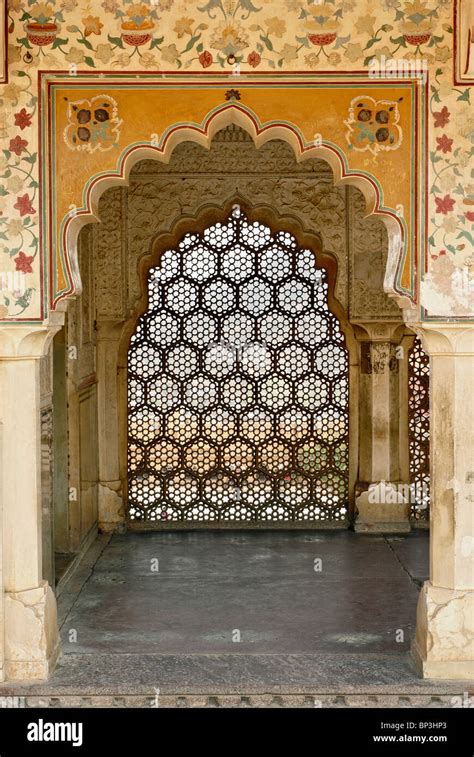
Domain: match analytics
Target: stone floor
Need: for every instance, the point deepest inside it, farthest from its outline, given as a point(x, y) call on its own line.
point(326, 614)
point(192, 593)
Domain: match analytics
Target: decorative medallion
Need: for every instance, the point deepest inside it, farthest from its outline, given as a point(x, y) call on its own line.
point(93, 124)
point(373, 125)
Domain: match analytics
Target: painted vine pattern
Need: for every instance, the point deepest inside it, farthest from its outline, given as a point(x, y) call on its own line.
point(221, 35)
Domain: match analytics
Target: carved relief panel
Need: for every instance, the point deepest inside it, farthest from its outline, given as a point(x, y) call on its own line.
point(368, 244)
point(160, 194)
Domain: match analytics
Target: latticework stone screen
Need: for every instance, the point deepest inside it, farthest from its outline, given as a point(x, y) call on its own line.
point(419, 430)
point(237, 385)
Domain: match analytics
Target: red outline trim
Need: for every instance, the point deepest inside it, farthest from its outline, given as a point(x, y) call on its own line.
point(458, 82)
point(4, 79)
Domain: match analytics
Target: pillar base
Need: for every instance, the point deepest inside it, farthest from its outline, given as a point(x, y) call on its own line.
point(31, 634)
point(111, 509)
point(444, 643)
point(381, 509)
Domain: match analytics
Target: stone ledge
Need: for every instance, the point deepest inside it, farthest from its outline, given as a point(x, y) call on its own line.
point(326, 674)
point(249, 700)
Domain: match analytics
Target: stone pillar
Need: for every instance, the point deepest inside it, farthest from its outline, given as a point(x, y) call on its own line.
point(31, 641)
point(379, 432)
point(444, 643)
point(111, 508)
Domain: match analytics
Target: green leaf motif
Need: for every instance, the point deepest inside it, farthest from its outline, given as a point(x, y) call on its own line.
point(466, 235)
point(25, 299)
point(464, 96)
point(302, 40)
point(209, 7)
point(398, 41)
point(117, 41)
point(340, 42)
point(192, 42)
point(266, 41)
point(24, 42)
point(86, 43)
point(434, 93)
point(58, 42)
point(249, 6)
point(372, 42)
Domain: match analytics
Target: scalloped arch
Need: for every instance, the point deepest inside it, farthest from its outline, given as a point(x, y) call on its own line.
point(202, 134)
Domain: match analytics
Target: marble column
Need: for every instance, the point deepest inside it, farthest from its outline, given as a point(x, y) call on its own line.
point(31, 640)
point(444, 643)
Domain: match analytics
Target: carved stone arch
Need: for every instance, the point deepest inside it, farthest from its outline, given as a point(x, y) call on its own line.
point(246, 119)
point(210, 214)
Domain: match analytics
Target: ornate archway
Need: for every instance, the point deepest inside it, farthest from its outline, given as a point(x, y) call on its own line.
point(369, 132)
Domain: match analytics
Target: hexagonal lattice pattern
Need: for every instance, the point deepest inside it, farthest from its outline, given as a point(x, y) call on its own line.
point(237, 384)
point(419, 430)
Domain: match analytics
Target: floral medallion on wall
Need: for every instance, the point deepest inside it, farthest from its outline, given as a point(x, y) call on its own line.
point(93, 124)
point(373, 125)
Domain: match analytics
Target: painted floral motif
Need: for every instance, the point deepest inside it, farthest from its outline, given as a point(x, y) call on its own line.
point(373, 125)
point(234, 36)
point(223, 32)
point(451, 222)
point(93, 124)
